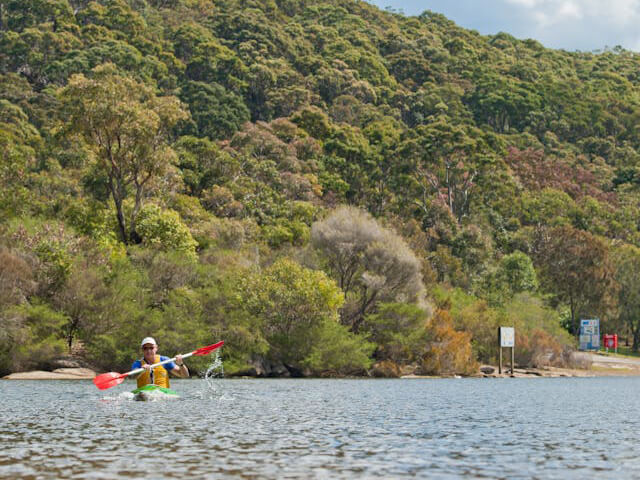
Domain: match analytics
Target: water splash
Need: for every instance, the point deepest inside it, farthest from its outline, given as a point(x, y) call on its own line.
point(119, 397)
point(214, 373)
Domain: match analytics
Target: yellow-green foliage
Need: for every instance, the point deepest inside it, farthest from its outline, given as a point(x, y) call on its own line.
point(164, 229)
point(540, 338)
point(292, 304)
point(297, 309)
point(339, 351)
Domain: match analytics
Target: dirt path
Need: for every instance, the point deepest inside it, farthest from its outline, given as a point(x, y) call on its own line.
point(610, 364)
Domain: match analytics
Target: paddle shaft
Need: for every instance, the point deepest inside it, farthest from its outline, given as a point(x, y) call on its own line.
point(168, 360)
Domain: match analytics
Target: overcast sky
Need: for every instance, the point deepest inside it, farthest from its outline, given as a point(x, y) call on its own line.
point(585, 25)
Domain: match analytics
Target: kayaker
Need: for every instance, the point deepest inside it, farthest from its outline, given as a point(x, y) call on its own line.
point(159, 375)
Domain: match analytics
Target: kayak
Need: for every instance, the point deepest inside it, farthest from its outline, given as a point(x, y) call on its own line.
point(150, 393)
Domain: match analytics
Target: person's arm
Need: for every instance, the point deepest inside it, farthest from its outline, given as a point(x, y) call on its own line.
point(138, 364)
point(180, 369)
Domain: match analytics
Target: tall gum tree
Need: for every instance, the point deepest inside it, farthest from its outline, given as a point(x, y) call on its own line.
point(627, 265)
point(127, 128)
point(577, 268)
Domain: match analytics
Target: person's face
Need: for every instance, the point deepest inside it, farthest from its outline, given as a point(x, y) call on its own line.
point(149, 352)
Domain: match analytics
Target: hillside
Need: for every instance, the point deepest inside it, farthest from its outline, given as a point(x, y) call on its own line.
point(323, 185)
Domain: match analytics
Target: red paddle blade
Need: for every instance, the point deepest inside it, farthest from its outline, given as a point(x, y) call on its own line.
point(208, 349)
point(108, 380)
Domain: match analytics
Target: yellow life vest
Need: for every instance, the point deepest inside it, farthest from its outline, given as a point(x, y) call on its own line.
point(160, 375)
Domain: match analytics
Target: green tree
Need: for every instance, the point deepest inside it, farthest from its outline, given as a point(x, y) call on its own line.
point(627, 265)
point(514, 274)
point(30, 336)
point(399, 332)
point(81, 300)
point(338, 351)
point(126, 127)
point(576, 267)
point(217, 112)
point(164, 229)
point(293, 304)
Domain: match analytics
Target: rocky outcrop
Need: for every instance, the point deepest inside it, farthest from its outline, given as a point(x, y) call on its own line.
point(262, 367)
point(57, 374)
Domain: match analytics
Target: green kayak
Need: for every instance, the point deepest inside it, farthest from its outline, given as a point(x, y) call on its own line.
point(154, 392)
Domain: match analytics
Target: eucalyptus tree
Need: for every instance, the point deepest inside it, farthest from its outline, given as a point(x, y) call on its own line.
point(126, 127)
point(627, 262)
point(576, 266)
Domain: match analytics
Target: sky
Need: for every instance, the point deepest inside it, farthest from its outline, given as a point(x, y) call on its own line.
point(586, 25)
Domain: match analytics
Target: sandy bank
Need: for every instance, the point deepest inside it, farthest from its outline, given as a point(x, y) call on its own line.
point(57, 374)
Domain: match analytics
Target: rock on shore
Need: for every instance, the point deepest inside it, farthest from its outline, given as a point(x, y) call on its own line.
point(57, 374)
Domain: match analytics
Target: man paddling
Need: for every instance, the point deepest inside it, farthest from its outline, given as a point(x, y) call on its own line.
point(160, 374)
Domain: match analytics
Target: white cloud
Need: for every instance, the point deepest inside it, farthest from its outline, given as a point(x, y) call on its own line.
point(569, 24)
point(548, 12)
point(610, 22)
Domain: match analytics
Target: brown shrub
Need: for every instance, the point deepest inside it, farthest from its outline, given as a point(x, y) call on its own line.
point(449, 351)
point(538, 349)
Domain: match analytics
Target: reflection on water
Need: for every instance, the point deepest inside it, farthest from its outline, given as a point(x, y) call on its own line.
point(496, 428)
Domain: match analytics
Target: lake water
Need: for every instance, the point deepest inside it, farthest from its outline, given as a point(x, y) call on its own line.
point(427, 428)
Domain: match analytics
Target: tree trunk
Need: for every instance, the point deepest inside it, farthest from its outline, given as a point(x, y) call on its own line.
point(574, 324)
point(133, 235)
point(117, 200)
point(636, 339)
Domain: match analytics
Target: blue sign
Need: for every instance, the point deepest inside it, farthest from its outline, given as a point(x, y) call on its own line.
point(590, 334)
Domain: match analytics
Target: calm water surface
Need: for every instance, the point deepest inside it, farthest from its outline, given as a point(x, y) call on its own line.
point(472, 428)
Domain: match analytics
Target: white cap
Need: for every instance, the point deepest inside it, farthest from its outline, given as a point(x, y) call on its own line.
point(148, 340)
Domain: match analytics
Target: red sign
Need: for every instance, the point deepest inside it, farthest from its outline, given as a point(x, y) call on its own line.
point(610, 341)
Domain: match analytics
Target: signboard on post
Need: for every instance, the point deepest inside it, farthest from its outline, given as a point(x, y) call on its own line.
point(506, 338)
point(590, 334)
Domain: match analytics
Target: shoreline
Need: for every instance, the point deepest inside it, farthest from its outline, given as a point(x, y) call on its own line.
point(597, 365)
point(597, 370)
point(57, 374)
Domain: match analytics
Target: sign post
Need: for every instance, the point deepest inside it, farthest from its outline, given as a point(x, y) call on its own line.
point(590, 334)
point(506, 338)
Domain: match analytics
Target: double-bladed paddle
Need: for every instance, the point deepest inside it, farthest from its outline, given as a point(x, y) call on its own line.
point(111, 379)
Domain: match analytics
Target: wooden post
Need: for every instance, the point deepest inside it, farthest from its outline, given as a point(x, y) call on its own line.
point(512, 358)
point(500, 364)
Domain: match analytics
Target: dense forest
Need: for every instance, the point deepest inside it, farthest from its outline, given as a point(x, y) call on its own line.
point(330, 188)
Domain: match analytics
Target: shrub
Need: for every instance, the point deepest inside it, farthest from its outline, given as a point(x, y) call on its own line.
point(163, 229)
point(30, 337)
point(338, 351)
point(538, 349)
point(398, 330)
point(293, 305)
point(448, 351)
point(370, 263)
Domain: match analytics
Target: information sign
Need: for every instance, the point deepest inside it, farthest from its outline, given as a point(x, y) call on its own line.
point(590, 334)
point(507, 336)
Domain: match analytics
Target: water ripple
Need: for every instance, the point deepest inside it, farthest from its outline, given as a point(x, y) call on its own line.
point(477, 428)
